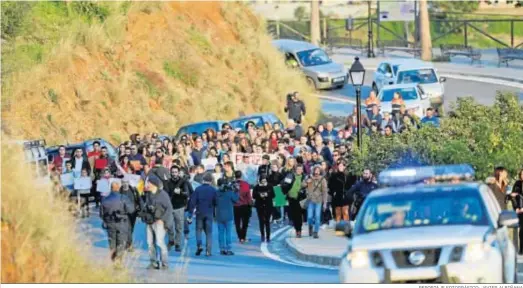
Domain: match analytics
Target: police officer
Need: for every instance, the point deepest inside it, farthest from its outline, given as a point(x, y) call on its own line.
point(115, 210)
point(360, 191)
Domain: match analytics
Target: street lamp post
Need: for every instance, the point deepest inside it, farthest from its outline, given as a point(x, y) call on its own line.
point(357, 76)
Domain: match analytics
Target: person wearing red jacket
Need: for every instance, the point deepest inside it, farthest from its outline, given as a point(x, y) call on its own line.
point(242, 208)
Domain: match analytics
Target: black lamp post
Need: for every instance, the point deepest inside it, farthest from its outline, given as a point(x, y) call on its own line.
point(357, 76)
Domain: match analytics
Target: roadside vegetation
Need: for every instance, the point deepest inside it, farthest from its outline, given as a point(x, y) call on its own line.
point(39, 242)
point(483, 136)
point(75, 70)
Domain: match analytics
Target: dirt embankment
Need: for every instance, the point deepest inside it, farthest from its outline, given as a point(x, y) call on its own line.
point(154, 68)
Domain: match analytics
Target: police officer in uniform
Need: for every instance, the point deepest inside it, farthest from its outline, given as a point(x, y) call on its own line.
point(114, 211)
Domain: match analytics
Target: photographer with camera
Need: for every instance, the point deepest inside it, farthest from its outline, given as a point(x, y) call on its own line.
point(226, 197)
point(157, 213)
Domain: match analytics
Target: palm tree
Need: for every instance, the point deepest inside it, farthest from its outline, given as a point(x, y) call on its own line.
point(426, 42)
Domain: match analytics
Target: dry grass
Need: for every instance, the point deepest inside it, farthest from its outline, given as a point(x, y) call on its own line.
point(39, 243)
point(160, 66)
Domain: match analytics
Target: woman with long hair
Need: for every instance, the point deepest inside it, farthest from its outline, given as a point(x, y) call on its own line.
point(273, 142)
point(311, 133)
point(211, 134)
point(498, 184)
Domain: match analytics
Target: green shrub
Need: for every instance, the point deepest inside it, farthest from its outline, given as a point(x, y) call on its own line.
point(13, 17)
point(482, 136)
point(184, 73)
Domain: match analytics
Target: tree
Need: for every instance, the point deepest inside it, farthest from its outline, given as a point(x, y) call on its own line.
point(300, 13)
point(315, 22)
point(482, 136)
point(426, 42)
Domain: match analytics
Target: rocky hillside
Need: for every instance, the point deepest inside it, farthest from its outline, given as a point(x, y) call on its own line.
point(99, 69)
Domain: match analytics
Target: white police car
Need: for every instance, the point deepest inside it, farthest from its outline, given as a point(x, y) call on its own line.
point(447, 233)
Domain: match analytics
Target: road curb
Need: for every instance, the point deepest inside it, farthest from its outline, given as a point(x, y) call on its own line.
point(316, 259)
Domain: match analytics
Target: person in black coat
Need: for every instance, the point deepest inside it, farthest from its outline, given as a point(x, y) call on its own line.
point(360, 191)
point(274, 179)
point(178, 189)
point(137, 201)
point(516, 197)
point(339, 182)
point(263, 196)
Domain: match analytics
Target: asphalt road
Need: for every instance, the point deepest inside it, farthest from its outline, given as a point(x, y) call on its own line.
point(483, 93)
point(249, 265)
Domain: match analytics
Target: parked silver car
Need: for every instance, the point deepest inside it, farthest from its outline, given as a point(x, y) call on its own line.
point(319, 69)
point(405, 71)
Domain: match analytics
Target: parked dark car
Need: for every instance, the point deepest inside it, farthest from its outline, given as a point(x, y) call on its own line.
point(258, 119)
point(200, 127)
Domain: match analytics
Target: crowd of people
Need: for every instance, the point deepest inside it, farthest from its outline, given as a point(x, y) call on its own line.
point(301, 177)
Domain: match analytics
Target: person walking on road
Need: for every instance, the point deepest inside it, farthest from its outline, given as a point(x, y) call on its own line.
point(203, 201)
point(295, 108)
point(339, 183)
point(179, 191)
point(317, 198)
point(135, 199)
point(114, 211)
point(226, 197)
point(292, 186)
point(242, 208)
point(158, 215)
point(361, 190)
point(263, 195)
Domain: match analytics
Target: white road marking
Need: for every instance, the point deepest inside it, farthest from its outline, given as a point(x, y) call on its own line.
point(265, 250)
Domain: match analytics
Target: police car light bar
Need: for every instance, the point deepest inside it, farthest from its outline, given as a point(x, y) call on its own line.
point(413, 175)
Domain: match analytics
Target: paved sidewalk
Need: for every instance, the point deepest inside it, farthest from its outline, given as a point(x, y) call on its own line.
point(487, 69)
point(327, 250)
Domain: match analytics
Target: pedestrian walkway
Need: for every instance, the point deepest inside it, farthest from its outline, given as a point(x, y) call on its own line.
point(487, 68)
point(327, 250)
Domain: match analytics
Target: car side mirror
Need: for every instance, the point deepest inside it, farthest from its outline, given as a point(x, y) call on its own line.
point(442, 79)
point(344, 229)
point(508, 219)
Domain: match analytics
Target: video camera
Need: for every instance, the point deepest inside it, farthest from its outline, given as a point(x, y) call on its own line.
point(224, 185)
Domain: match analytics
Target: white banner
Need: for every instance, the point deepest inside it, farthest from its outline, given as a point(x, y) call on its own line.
point(248, 159)
point(401, 10)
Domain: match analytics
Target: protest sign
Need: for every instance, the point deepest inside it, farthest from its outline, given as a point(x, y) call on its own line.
point(209, 164)
point(252, 158)
point(100, 163)
point(67, 179)
point(133, 179)
point(83, 183)
point(249, 173)
point(279, 199)
point(103, 186)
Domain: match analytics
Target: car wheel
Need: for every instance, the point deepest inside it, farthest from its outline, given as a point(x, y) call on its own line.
point(375, 87)
point(311, 83)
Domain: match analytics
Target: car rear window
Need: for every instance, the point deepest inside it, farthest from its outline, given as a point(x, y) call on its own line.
point(406, 94)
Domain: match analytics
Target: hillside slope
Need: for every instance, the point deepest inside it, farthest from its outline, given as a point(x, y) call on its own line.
point(139, 67)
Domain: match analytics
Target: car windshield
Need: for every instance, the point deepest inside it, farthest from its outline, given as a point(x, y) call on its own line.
point(258, 121)
point(422, 76)
point(463, 207)
point(406, 93)
point(313, 57)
